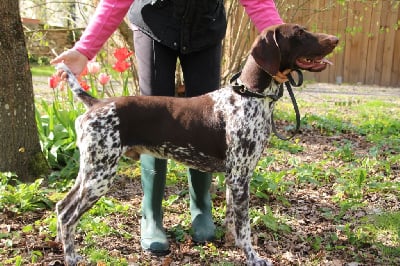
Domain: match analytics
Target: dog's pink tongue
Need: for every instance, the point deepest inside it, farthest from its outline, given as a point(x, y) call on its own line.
point(326, 61)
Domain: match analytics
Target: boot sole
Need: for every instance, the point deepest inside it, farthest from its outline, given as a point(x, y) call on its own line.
point(157, 253)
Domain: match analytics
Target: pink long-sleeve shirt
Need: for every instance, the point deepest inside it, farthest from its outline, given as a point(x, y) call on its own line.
point(110, 13)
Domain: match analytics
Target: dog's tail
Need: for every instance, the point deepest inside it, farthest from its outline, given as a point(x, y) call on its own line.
point(76, 87)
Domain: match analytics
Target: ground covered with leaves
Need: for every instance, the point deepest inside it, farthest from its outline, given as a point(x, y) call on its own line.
point(330, 196)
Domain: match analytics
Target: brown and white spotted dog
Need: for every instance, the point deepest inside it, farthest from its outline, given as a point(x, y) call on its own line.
point(222, 131)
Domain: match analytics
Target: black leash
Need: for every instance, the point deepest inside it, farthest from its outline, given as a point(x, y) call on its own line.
point(291, 82)
point(242, 90)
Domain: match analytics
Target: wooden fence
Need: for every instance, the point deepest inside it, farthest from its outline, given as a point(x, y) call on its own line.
point(369, 33)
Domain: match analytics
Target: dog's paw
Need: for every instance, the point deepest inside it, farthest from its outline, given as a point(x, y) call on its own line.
point(73, 260)
point(230, 239)
point(259, 262)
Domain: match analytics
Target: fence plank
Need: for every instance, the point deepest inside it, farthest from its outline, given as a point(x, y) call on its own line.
point(380, 47)
point(322, 23)
point(348, 42)
point(389, 43)
point(338, 21)
point(395, 73)
point(373, 40)
point(365, 12)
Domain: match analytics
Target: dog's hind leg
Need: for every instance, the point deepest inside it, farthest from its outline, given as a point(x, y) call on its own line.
point(93, 181)
point(100, 151)
point(67, 217)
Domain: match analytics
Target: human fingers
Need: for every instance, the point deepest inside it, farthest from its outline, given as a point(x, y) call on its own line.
point(280, 77)
point(61, 74)
point(286, 71)
point(75, 61)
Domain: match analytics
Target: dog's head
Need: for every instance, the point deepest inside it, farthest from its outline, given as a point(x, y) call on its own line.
point(291, 46)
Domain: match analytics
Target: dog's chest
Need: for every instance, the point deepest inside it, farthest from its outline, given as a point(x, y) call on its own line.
point(244, 116)
point(248, 120)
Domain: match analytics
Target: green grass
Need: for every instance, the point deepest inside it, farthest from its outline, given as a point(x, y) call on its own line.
point(45, 71)
point(379, 230)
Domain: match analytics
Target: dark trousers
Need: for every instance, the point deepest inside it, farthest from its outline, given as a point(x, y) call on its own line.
point(157, 65)
point(201, 72)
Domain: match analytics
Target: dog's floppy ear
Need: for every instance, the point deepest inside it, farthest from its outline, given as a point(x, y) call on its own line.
point(266, 52)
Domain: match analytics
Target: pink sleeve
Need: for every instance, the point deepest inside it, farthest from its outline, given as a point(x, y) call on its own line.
point(263, 13)
point(106, 19)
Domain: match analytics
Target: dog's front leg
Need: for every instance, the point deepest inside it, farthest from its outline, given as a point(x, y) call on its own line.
point(239, 189)
point(230, 235)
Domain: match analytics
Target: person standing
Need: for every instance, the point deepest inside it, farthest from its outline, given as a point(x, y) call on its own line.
point(165, 31)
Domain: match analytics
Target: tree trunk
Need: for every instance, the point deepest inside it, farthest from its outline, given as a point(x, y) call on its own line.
point(19, 141)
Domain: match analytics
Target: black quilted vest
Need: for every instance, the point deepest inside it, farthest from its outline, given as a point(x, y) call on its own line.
point(184, 25)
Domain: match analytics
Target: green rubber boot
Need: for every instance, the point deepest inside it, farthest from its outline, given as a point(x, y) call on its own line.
point(153, 237)
point(200, 206)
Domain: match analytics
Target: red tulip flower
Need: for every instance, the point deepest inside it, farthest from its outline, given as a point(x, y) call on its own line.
point(53, 81)
point(121, 66)
point(122, 54)
point(84, 85)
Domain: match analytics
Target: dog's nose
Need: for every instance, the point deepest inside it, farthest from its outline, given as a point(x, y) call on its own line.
point(333, 40)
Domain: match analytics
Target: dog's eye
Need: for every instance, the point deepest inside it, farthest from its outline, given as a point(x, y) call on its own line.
point(301, 32)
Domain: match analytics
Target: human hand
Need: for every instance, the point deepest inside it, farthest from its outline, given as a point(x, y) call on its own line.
point(75, 61)
point(281, 77)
